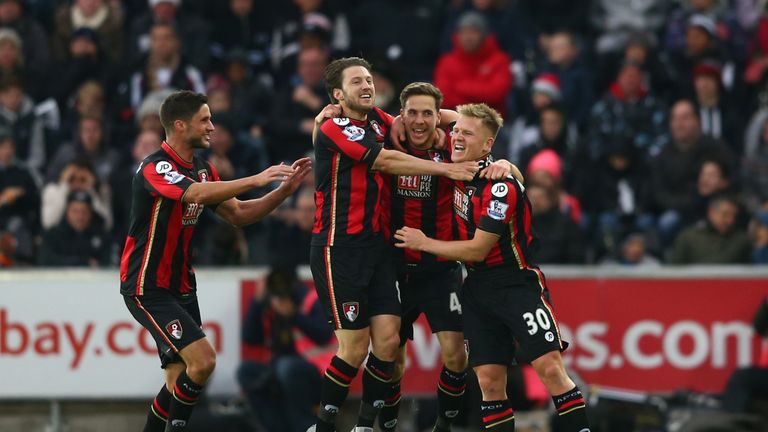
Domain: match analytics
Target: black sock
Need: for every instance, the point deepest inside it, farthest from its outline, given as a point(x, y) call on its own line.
point(571, 411)
point(338, 376)
point(185, 395)
point(388, 414)
point(450, 392)
point(376, 386)
point(158, 411)
point(497, 416)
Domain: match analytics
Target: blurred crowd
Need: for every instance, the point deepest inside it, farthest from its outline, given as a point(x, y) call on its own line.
point(641, 127)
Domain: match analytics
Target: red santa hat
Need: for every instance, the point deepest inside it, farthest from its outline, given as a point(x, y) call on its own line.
point(549, 84)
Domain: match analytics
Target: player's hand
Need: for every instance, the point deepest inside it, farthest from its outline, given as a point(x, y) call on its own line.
point(410, 238)
point(397, 134)
point(502, 169)
point(271, 174)
point(439, 139)
point(329, 111)
point(301, 168)
point(462, 171)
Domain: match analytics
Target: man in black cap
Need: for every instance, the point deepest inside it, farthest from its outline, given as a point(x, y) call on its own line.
point(78, 240)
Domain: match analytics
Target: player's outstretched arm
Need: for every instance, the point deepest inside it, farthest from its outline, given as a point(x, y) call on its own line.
point(473, 250)
point(216, 192)
point(502, 169)
point(396, 162)
point(241, 213)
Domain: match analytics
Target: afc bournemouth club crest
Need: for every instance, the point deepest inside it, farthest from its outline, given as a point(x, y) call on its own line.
point(351, 310)
point(174, 329)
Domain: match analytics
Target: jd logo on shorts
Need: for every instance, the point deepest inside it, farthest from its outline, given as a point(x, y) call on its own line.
point(174, 329)
point(351, 310)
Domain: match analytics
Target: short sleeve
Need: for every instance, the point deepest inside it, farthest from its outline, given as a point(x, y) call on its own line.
point(498, 200)
point(214, 177)
point(161, 178)
point(344, 137)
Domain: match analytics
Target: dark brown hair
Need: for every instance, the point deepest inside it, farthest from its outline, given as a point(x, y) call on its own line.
point(335, 70)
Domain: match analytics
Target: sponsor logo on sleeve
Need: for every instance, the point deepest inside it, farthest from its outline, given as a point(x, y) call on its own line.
point(173, 177)
point(354, 133)
point(341, 121)
point(500, 190)
point(163, 167)
point(497, 210)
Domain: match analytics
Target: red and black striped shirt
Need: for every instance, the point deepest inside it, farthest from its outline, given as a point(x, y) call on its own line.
point(156, 251)
point(498, 207)
point(420, 201)
point(347, 192)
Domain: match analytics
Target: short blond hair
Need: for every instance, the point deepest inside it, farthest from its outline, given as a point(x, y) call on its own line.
point(489, 117)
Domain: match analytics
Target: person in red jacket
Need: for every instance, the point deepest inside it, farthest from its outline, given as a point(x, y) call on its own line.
point(477, 70)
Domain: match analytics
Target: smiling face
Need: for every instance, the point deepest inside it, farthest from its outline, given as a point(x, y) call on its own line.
point(197, 131)
point(470, 139)
point(357, 92)
point(420, 118)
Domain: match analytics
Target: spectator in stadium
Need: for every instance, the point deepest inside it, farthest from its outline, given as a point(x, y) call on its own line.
point(387, 79)
point(754, 164)
point(17, 112)
point(675, 170)
point(308, 24)
point(245, 26)
point(290, 230)
point(717, 239)
point(295, 106)
point(79, 240)
point(37, 54)
point(714, 178)
point(76, 176)
point(90, 144)
point(162, 67)
point(504, 20)
point(287, 328)
point(103, 17)
point(618, 195)
point(19, 200)
point(148, 114)
point(629, 111)
point(85, 61)
point(616, 22)
point(719, 118)
point(406, 37)
point(545, 17)
point(527, 131)
point(559, 238)
point(477, 69)
point(632, 252)
point(642, 49)
point(702, 42)
point(546, 169)
point(725, 21)
point(146, 143)
point(11, 55)
point(191, 30)
point(564, 58)
point(758, 232)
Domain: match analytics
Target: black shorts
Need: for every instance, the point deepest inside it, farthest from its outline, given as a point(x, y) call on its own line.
point(354, 284)
point(434, 293)
point(174, 323)
point(508, 318)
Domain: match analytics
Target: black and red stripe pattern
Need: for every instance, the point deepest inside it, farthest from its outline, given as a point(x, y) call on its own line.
point(498, 207)
point(497, 415)
point(340, 372)
point(569, 402)
point(156, 251)
point(420, 201)
point(348, 193)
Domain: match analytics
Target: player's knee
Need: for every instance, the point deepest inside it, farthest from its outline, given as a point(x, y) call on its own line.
point(455, 360)
point(353, 355)
point(202, 367)
point(552, 373)
point(491, 385)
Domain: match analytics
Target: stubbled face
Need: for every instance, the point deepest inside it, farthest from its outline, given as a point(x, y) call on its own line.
point(470, 140)
point(199, 128)
point(420, 118)
point(357, 92)
point(79, 215)
point(722, 216)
